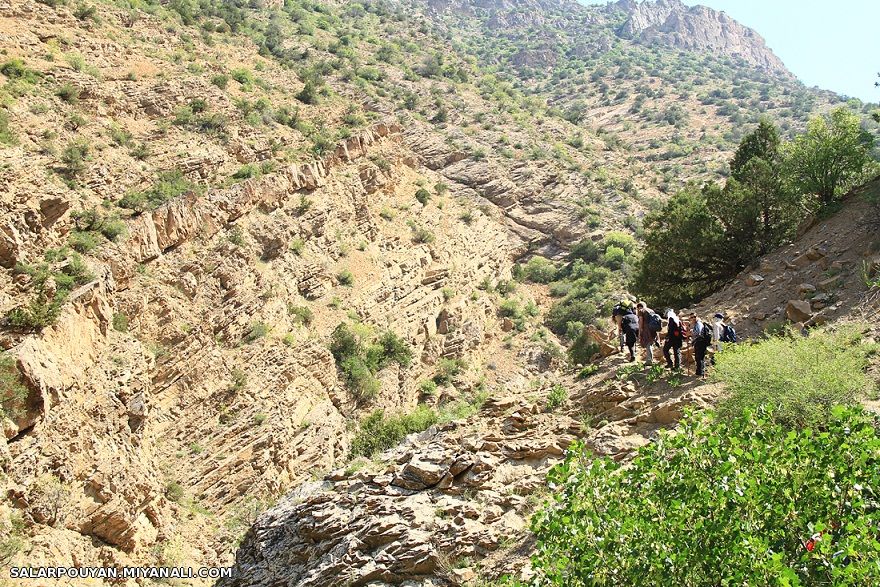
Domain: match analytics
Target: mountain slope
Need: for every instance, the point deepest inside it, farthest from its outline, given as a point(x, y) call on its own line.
point(194, 196)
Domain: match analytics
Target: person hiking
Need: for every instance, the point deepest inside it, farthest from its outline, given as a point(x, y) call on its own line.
point(629, 323)
point(649, 325)
point(617, 318)
point(718, 332)
point(701, 338)
point(674, 340)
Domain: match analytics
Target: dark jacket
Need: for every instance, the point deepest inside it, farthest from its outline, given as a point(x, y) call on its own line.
point(630, 324)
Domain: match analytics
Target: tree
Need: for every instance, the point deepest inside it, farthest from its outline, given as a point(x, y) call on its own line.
point(685, 255)
point(830, 158)
point(757, 208)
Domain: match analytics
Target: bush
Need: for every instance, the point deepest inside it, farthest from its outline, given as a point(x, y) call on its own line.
point(68, 93)
point(741, 498)
point(423, 195)
point(378, 432)
point(120, 322)
point(13, 393)
point(801, 378)
point(220, 80)
point(257, 331)
point(170, 185)
point(583, 349)
point(360, 355)
point(310, 94)
point(614, 257)
point(447, 370)
point(539, 270)
point(75, 156)
point(345, 277)
point(556, 397)
point(300, 314)
point(7, 137)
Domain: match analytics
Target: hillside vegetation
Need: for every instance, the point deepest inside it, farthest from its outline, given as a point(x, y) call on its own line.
point(319, 289)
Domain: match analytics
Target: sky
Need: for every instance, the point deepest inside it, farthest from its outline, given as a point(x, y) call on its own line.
point(831, 44)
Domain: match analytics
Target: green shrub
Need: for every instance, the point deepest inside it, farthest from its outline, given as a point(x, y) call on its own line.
point(7, 137)
point(257, 331)
point(510, 309)
point(120, 322)
point(310, 94)
point(583, 349)
point(169, 185)
point(557, 396)
point(300, 314)
point(174, 491)
point(359, 354)
point(243, 76)
point(427, 387)
point(345, 277)
point(75, 156)
point(614, 257)
point(91, 228)
point(43, 309)
point(220, 80)
point(539, 270)
point(744, 499)
point(68, 93)
point(447, 370)
point(296, 246)
point(423, 195)
point(377, 432)
point(801, 378)
point(13, 392)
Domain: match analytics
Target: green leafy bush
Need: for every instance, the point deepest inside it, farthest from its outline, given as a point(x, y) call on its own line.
point(359, 354)
point(539, 270)
point(378, 432)
point(557, 396)
point(300, 314)
point(13, 393)
point(169, 185)
point(345, 277)
point(422, 196)
point(68, 272)
point(741, 501)
point(7, 137)
point(801, 378)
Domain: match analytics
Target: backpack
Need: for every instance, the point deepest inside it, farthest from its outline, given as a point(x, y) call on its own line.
point(618, 311)
point(728, 334)
point(654, 322)
point(705, 336)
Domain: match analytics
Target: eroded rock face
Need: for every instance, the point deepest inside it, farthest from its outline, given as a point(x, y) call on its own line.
point(697, 28)
point(461, 490)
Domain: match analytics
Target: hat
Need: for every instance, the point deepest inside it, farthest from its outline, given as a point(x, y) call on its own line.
point(719, 315)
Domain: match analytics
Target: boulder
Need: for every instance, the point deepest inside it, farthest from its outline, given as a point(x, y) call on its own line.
point(831, 283)
point(798, 310)
point(806, 289)
point(754, 279)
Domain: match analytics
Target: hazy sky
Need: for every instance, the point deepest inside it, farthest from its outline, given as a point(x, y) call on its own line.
point(831, 44)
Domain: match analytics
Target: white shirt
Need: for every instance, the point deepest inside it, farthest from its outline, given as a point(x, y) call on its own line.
point(717, 331)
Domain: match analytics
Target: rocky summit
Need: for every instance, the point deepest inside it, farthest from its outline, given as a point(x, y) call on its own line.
point(319, 291)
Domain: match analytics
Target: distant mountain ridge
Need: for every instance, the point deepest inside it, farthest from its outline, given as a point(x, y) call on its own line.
point(696, 28)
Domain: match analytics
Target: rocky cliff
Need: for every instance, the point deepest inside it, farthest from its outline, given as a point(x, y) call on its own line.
point(696, 28)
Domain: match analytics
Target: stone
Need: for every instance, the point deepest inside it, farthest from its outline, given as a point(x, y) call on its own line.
point(507, 325)
point(798, 310)
point(754, 279)
point(806, 289)
point(832, 283)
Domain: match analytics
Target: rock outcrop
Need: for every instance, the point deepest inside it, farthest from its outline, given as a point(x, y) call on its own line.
point(698, 29)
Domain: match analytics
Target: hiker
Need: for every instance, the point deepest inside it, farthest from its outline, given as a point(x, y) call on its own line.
point(718, 332)
point(701, 338)
point(629, 324)
point(649, 325)
point(674, 340)
point(617, 317)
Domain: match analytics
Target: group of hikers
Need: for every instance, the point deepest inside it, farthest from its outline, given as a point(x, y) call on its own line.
point(636, 322)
